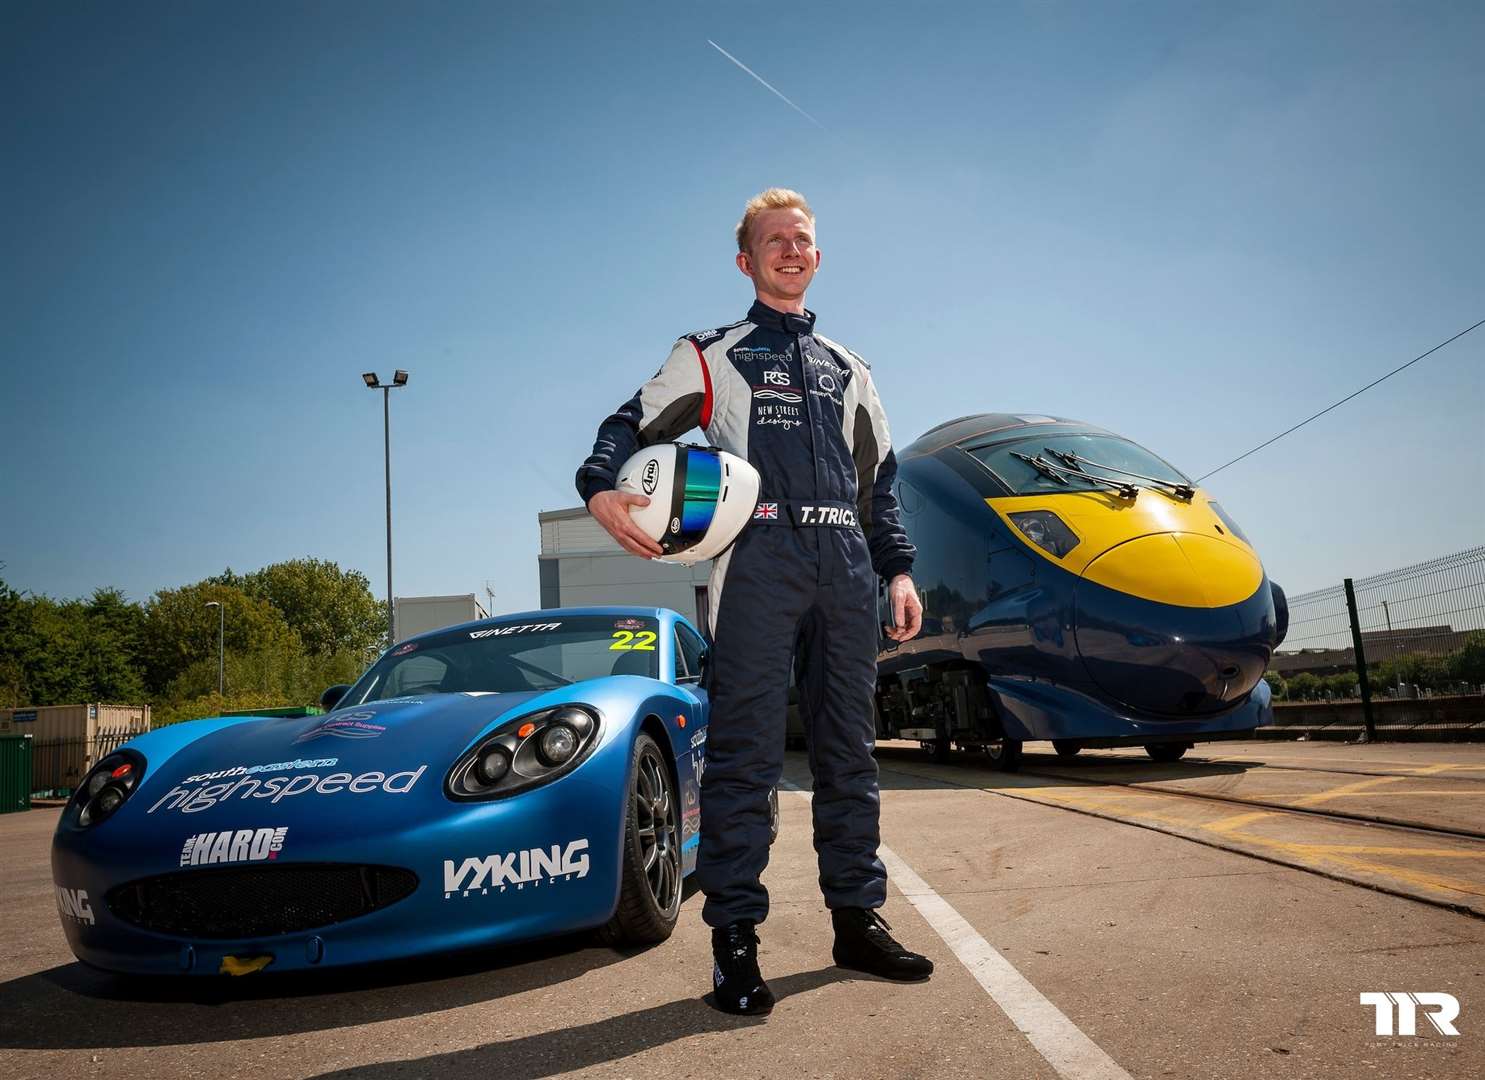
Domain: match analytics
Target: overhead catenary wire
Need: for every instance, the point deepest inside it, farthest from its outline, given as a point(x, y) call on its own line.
point(1343, 400)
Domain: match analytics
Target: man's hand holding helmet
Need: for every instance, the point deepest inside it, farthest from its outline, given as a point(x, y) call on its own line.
point(611, 510)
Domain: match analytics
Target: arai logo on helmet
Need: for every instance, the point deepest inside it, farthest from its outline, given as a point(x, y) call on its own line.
point(651, 476)
point(675, 525)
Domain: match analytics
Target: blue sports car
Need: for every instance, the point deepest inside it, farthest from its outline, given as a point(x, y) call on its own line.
point(508, 779)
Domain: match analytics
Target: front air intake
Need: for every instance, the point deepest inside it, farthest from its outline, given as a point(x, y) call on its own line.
point(258, 901)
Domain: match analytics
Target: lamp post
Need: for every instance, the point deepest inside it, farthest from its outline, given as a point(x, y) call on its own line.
point(221, 649)
point(399, 379)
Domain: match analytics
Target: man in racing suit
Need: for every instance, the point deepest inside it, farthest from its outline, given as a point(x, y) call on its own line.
point(799, 584)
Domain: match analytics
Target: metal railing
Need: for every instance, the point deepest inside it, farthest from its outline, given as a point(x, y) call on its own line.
point(1411, 633)
point(58, 765)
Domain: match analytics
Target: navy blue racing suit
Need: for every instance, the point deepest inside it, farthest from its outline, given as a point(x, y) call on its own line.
point(799, 585)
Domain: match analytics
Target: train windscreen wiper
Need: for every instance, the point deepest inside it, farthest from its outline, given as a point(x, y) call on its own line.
point(1060, 473)
point(1077, 461)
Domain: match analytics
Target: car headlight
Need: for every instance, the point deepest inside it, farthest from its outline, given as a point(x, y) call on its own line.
point(107, 787)
point(1046, 530)
point(525, 753)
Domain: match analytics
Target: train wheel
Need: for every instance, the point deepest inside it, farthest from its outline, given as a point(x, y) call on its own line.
point(1066, 747)
point(938, 750)
point(1004, 754)
point(1167, 752)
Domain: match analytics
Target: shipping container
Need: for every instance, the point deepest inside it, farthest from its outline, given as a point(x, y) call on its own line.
point(68, 740)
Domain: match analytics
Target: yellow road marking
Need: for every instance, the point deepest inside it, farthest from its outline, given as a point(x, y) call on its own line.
point(1294, 853)
point(1346, 789)
point(1360, 794)
point(1237, 821)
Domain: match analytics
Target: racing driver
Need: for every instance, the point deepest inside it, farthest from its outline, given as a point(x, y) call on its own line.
point(798, 585)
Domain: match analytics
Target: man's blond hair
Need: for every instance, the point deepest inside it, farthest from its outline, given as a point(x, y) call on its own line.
point(775, 198)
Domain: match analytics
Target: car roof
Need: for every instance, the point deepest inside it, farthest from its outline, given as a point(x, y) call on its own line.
point(660, 613)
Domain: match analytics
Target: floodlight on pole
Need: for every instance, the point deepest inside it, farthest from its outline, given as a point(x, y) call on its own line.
point(399, 380)
point(221, 648)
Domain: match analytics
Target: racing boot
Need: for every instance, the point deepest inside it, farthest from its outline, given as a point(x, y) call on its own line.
point(862, 943)
point(738, 985)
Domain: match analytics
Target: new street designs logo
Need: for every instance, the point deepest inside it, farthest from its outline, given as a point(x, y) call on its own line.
point(1405, 1006)
point(518, 868)
point(244, 845)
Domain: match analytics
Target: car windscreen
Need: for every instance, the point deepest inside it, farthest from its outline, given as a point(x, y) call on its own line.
point(1098, 455)
point(513, 656)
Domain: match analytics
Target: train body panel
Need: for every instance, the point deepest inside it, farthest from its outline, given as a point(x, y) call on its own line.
point(1075, 587)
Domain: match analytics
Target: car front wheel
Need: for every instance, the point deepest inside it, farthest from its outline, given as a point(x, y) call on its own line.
point(650, 892)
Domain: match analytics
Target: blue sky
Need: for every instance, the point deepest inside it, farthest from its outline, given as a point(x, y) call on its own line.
point(1193, 223)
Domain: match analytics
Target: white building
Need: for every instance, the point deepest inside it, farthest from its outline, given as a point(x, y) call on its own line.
point(580, 565)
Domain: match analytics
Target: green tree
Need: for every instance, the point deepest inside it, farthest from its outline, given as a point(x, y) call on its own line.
point(114, 630)
point(1468, 664)
point(1345, 686)
point(180, 632)
point(332, 610)
point(1276, 684)
point(54, 651)
point(1304, 687)
point(14, 625)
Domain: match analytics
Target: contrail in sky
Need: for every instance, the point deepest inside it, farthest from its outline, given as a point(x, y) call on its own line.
point(765, 82)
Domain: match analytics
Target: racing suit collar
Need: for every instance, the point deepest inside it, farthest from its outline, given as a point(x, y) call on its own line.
point(763, 315)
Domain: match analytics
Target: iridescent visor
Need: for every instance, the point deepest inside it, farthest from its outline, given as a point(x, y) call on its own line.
point(698, 488)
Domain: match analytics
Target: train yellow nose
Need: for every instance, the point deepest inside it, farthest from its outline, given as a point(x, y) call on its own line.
point(1182, 569)
point(1174, 623)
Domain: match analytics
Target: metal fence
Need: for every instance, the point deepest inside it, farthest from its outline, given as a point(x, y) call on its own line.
point(58, 765)
point(1415, 632)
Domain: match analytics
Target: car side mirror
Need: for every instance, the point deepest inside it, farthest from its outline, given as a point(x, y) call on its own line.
point(701, 661)
point(331, 697)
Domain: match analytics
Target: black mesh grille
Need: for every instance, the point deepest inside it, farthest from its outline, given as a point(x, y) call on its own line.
point(258, 901)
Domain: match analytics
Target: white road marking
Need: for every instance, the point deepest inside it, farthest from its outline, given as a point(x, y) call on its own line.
point(1070, 1052)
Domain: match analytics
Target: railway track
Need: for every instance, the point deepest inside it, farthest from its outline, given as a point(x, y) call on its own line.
point(1438, 863)
point(1384, 820)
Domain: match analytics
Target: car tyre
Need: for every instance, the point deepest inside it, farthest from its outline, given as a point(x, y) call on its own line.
point(1167, 752)
point(650, 886)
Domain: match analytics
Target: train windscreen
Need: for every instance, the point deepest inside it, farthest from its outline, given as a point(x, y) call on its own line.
point(1048, 463)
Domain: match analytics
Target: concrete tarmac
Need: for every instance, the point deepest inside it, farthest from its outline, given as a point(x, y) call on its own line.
point(1173, 959)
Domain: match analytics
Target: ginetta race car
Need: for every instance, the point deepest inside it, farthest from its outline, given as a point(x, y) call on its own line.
point(502, 780)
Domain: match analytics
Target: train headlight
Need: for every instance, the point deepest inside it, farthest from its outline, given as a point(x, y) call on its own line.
point(1046, 530)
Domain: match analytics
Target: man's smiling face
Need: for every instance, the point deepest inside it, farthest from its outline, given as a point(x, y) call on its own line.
point(781, 257)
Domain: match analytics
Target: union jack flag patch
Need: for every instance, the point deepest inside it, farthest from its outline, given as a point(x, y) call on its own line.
point(766, 512)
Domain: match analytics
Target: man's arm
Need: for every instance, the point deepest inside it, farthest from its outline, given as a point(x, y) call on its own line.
point(892, 553)
point(678, 398)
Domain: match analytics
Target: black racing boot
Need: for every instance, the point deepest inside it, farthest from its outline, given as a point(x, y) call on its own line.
point(738, 985)
point(863, 944)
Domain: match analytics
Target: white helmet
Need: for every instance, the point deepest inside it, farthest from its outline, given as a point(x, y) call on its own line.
point(700, 498)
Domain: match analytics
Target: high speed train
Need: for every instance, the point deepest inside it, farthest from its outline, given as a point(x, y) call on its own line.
point(1077, 588)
